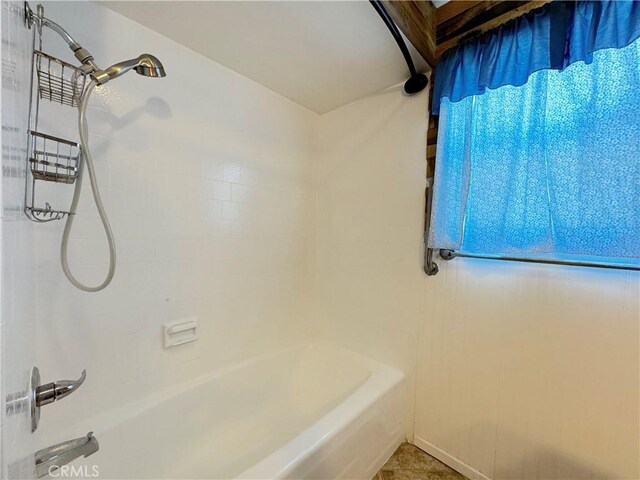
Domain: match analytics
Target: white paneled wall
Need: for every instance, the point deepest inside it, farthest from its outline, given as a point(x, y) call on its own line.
point(531, 372)
point(523, 372)
point(205, 176)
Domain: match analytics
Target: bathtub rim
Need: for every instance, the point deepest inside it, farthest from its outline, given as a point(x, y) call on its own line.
point(382, 380)
point(110, 419)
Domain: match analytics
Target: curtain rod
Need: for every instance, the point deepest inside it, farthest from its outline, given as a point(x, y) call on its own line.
point(451, 254)
point(417, 81)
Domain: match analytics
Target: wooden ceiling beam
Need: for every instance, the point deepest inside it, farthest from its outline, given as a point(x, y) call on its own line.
point(473, 17)
point(478, 19)
point(453, 8)
point(417, 20)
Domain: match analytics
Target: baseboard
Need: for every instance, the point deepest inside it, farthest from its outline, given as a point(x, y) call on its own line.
point(453, 462)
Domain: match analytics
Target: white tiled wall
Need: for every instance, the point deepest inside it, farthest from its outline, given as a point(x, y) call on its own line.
point(17, 244)
point(206, 179)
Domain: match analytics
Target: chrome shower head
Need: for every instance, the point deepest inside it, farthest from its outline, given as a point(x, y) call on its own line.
point(149, 66)
point(145, 64)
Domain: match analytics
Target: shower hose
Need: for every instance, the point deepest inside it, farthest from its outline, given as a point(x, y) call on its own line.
point(86, 158)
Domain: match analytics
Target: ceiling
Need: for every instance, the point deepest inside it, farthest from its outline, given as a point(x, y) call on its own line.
point(321, 55)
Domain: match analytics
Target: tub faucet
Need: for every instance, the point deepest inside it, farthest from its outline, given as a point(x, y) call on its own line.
point(42, 395)
point(49, 393)
point(51, 458)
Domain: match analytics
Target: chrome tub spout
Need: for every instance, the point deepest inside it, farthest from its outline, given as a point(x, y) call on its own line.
point(51, 458)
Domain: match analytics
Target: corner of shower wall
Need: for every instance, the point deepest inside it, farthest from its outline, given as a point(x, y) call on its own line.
point(370, 180)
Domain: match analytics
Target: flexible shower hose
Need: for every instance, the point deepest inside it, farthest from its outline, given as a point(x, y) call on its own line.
point(86, 158)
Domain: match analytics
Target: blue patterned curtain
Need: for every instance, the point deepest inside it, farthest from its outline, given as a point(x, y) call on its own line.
point(550, 167)
point(552, 37)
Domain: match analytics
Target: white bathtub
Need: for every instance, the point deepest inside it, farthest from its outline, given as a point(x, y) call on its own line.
point(306, 412)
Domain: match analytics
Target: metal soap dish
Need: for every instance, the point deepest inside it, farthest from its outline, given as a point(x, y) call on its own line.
point(58, 81)
point(45, 214)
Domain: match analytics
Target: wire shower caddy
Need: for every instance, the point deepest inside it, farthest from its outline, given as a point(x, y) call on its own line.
point(49, 157)
point(58, 81)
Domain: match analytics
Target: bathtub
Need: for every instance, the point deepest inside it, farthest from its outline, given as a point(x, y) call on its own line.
point(306, 412)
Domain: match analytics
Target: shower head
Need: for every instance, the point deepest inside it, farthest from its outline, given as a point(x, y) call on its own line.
point(145, 64)
point(149, 66)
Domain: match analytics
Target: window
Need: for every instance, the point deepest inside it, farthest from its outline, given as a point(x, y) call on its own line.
point(547, 169)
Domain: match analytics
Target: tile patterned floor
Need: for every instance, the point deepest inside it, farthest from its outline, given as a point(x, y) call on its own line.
point(411, 463)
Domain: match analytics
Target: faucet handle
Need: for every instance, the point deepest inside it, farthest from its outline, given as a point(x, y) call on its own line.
point(50, 392)
point(42, 395)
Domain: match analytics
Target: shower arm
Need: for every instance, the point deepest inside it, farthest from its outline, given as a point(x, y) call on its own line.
point(82, 54)
point(145, 64)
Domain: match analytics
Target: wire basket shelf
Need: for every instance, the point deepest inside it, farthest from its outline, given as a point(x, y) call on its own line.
point(58, 81)
point(53, 159)
point(52, 163)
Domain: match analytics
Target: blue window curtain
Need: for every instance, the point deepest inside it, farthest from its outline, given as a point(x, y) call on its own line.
point(549, 167)
point(552, 37)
